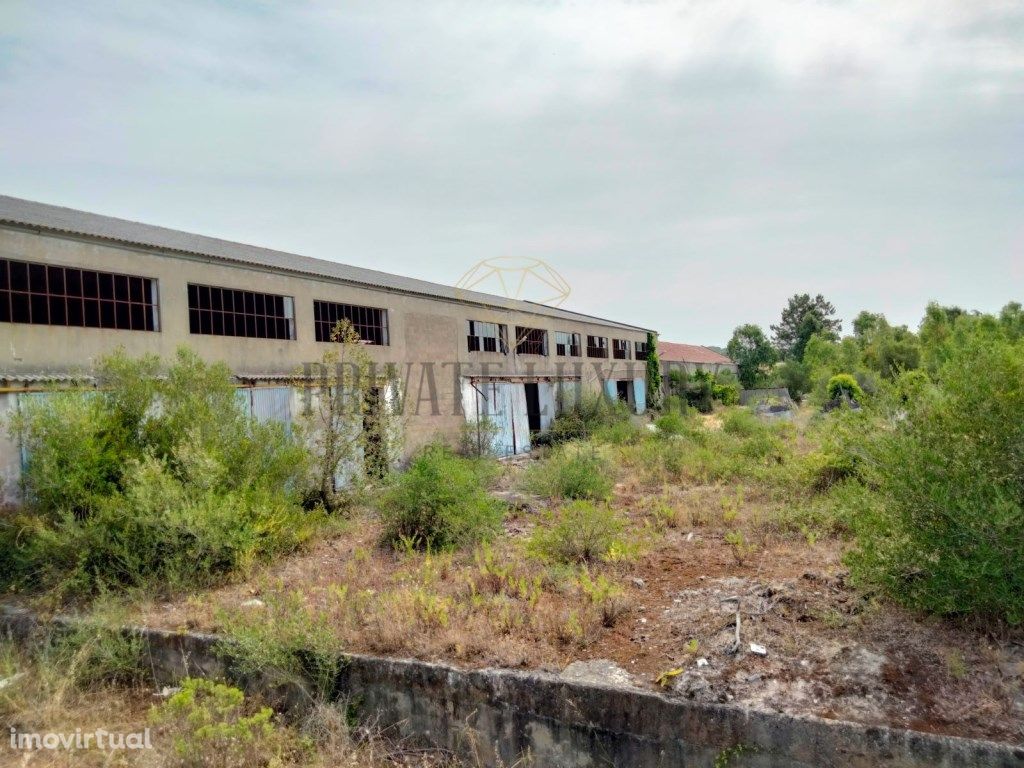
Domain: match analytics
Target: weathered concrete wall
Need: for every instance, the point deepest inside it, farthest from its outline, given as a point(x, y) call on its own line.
point(427, 336)
point(496, 717)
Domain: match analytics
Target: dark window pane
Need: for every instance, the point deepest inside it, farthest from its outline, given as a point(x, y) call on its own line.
point(73, 282)
point(106, 287)
point(56, 279)
point(217, 323)
point(58, 315)
point(138, 313)
point(122, 315)
point(74, 309)
point(40, 309)
point(90, 284)
point(204, 321)
point(4, 282)
point(135, 291)
point(92, 313)
point(37, 278)
point(193, 321)
point(19, 276)
point(5, 306)
point(108, 316)
point(19, 308)
point(193, 297)
point(121, 292)
point(215, 302)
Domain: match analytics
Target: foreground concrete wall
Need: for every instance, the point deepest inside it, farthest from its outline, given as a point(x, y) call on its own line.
point(496, 717)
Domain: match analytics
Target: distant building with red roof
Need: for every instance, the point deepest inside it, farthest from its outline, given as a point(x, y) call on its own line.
point(692, 357)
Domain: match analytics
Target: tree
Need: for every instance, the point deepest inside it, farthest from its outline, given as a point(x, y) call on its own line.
point(753, 354)
point(653, 371)
point(347, 419)
point(802, 318)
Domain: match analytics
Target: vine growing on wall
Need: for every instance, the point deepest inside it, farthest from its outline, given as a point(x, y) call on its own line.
point(653, 371)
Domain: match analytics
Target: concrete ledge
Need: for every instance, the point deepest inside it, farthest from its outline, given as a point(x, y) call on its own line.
point(498, 716)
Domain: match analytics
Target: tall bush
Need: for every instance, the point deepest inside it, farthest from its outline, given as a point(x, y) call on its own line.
point(440, 502)
point(947, 535)
point(160, 482)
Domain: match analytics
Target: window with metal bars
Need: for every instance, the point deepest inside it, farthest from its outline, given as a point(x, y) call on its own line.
point(45, 294)
point(214, 311)
point(487, 337)
point(620, 349)
point(370, 323)
point(531, 341)
point(567, 344)
point(640, 350)
point(597, 346)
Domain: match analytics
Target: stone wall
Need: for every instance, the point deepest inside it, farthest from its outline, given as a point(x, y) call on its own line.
point(495, 717)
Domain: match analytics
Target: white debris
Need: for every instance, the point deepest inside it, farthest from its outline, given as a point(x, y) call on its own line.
point(253, 603)
point(702, 662)
point(651, 427)
point(760, 650)
point(7, 681)
point(167, 691)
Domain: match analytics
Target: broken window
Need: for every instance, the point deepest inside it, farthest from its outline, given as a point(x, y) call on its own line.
point(487, 337)
point(567, 344)
point(640, 350)
point(228, 312)
point(620, 349)
point(597, 346)
point(43, 294)
point(369, 322)
point(531, 341)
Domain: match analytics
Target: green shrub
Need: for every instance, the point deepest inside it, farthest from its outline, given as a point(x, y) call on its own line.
point(843, 384)
point(285, 641)
point(440, 501)
point(671, 423)
point(476, 438)
point(579, 532)
point(160, 535)
point(211, 724)
point(946, 535)
point(154, 482)
point(726, 388)
point(591, 414)
point(700, 391)
point(742, 423)
point(574, 471)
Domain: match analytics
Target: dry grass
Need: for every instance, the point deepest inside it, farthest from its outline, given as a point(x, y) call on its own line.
point(705, 517)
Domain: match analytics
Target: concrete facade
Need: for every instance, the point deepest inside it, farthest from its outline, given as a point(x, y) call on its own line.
point(427, 333)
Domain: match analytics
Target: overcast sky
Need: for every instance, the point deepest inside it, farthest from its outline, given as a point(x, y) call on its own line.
point(684, 165)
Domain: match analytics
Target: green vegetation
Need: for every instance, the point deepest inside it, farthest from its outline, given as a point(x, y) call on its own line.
point(654, 393)
point(160, 483)
point(579, 532)
point(947, 538)
point(440, 501)
point(574, 471)
point(212, 724)
point(750, 349)
point(843, 385)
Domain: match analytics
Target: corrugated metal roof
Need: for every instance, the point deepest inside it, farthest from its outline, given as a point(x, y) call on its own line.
point(670, 351)
point(14, 210)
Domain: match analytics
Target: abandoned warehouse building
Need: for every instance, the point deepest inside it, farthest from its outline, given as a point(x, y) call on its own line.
point(75, 286)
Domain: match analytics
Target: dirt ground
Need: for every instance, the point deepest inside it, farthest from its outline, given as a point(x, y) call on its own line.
point(829, 651)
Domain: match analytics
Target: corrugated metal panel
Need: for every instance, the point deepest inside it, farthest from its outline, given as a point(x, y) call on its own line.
point(546, 395)
point(640, 394)
point(611, 389)
point(272, 404)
